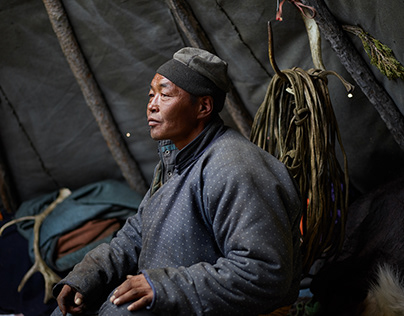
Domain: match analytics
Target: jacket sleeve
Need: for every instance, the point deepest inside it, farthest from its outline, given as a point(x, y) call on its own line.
point(255, 219)
point(107, 265)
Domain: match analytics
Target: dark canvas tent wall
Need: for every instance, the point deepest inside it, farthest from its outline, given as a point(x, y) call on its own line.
point(50, 139)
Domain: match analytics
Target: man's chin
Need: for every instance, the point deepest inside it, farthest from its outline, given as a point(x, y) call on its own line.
point(154, 135)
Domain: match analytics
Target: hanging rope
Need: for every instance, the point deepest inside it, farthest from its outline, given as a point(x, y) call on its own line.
point(296, 123)
point(308, 11)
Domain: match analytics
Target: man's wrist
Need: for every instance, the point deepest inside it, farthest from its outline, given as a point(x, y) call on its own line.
point(147, 277)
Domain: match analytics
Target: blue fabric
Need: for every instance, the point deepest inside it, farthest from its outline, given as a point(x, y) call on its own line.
point(101, 200)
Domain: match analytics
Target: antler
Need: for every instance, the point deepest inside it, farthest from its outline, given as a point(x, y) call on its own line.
point(40, 266)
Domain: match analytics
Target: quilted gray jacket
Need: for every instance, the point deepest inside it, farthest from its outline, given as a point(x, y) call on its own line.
point(217, 233)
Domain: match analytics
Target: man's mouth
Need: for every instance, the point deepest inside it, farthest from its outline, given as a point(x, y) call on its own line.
point(153, 122)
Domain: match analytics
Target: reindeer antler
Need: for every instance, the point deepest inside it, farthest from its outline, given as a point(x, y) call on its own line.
point(50, 277)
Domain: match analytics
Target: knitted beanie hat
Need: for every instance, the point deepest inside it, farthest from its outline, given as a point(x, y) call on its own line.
point(199, 73)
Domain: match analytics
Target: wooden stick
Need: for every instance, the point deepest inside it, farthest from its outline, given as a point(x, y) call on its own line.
point(8, 194)
point(314, 35)
point(197, 37)
point(93, 96)
point(359, 70)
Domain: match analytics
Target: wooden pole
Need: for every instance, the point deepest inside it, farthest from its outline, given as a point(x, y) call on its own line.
point(93, 95)
point(359, 70)
point(7, 190)
point(197, 37)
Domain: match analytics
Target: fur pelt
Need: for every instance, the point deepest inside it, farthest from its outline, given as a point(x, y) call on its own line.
point(386, 295)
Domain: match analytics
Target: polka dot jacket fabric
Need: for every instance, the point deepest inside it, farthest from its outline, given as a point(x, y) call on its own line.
point(219, 237)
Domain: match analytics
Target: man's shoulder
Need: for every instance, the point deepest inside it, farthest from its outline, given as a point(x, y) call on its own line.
point(238, 145)
point(231, 137)
point(234, 151)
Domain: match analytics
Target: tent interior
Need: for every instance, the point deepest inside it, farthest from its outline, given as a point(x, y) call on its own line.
point(50, 139)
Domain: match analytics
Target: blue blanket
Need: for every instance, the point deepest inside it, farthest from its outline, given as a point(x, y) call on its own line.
point(101, 200)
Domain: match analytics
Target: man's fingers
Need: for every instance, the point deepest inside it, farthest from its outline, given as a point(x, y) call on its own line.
point(122, 289)
point(138, 296)
point(78, 299)
point(140, 303)
point(113, 297)
point(124, 297)
point(70, 301)
point(63, 299)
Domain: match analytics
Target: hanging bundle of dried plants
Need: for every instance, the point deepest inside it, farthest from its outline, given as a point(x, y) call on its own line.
point(380, 54)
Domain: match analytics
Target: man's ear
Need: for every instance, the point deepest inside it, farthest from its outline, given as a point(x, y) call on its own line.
point(205, 106)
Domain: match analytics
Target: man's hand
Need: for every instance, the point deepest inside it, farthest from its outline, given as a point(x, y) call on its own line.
point(70, 301)
point(135, 288)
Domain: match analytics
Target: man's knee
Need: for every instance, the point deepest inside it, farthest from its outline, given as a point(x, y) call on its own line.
point(109, 309)
point(57, 312)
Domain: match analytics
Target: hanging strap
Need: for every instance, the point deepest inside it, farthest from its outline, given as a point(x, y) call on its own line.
point(310, 13)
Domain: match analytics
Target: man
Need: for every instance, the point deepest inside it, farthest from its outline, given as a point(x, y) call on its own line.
point(218, 231)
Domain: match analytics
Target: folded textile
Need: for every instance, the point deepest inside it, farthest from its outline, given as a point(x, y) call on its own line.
point(91, 231)
point(102, 200)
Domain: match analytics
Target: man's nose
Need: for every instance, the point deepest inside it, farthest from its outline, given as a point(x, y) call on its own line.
point(153, 104)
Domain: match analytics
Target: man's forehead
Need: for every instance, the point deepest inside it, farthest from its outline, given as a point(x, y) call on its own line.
point(159, 81)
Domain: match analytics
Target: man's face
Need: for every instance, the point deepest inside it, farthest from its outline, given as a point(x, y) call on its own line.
point(171, 113)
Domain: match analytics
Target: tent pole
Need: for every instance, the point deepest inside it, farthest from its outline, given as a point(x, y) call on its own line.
point(93, 96)
point(359, 70)
point(8, 193)
point(197, 37)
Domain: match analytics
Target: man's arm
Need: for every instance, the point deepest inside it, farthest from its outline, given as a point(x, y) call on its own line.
point(106, 266)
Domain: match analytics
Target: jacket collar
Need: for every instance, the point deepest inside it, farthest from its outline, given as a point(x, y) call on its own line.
point(190, 153)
